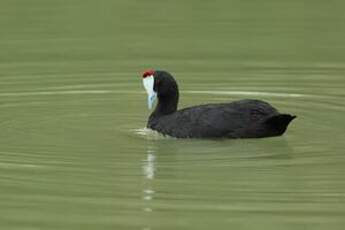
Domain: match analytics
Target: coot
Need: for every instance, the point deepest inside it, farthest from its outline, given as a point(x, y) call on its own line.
point(239, 119)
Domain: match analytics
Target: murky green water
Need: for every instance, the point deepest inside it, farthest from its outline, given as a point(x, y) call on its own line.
point(73, 151)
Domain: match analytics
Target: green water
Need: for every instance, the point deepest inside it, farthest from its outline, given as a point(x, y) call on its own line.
point(74, 153)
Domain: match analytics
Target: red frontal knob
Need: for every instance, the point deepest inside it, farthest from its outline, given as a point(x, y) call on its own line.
point(147, 73)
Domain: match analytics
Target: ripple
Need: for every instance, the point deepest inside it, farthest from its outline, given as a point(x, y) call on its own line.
point(207, 92)
point(245, 93)
point(150, 134)
point(45, 93)
point(18, 165)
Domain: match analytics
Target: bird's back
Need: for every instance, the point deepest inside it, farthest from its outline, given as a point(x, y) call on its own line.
point(239, 119)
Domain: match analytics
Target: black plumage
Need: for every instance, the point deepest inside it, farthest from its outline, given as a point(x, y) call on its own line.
point(239, 119)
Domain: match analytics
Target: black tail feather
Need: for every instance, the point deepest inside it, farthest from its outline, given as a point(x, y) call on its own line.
point(280, 122)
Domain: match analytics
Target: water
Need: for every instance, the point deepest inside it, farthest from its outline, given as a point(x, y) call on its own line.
point(74, 153)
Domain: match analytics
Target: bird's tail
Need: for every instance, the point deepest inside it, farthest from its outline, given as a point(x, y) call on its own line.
point(279, 122)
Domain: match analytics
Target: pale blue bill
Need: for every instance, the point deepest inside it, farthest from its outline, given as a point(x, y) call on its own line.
point(148, 83)
point(151, 99)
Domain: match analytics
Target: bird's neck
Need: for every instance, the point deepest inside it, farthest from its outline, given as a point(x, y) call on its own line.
point(166, 105)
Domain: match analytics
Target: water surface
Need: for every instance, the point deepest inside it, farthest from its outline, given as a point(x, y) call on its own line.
point(74, 153)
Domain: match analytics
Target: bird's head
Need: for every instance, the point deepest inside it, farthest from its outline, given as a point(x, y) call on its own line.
point(159, 84)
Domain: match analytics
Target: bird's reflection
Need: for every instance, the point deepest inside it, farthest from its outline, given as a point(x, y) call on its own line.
point(149, 165)
point(149, 168)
